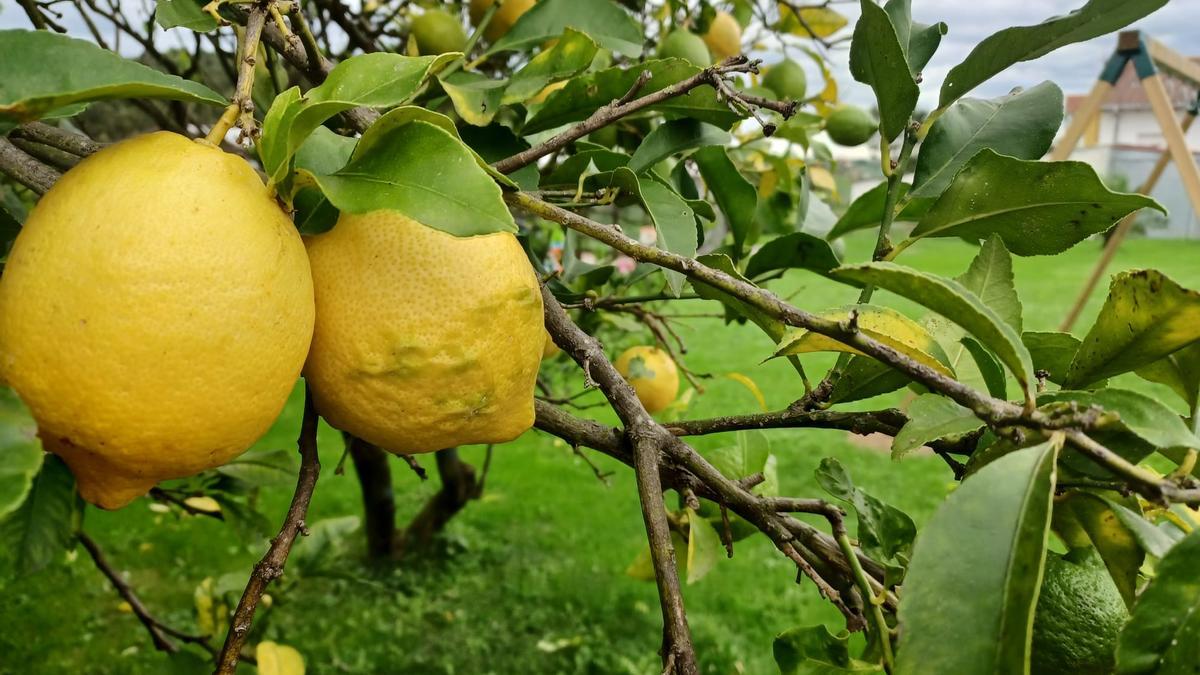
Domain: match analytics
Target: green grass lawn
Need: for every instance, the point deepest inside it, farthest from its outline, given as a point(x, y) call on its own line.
point(531, 578)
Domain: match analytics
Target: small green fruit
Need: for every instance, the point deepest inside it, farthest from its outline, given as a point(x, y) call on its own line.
point(1079, 617)
point(850, 125)
point(681, 44)
point(787, 80)
point(437, 32)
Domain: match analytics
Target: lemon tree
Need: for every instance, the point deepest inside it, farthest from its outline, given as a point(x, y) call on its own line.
point(428, 225)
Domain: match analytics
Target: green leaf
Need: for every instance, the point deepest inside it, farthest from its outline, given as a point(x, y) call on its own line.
point(1163, 633)
point(865, 377)
point(43, 527)
point(1153, 540)
point(798, 250)
point(866, 211)
point(880, 323)
point(931, 417)
point(1021, 125)
point(1038, 208)
point(878, 60)
point(950, 299)
point(495, 142)
point(1179, 370)
point(1051, 352)
point(20, 449)
point(263, 467)
point(674, 221)
point(571, 55)
point(424, 172)
point(734, 194)
point(673, 137)
point(973, 583)
point(750, 454)
point(1140, 414)
point(704, 547)
point(769, 325)
point(1146, 317)
point(375, 80)
point(990, 278)
point(603, 20)
point(923, 41)
point(813, 650)
point(44, 71)
point(1118, 547)
point(1024, 43)
point(476, 97)
point(585, 94)
point(183, 13)
point(989, 367)
point(884, 532)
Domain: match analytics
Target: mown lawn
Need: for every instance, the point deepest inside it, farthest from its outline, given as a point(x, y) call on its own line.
point(530, 579)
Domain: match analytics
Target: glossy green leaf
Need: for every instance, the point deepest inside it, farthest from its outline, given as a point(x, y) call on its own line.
point(866, 211)
point(813, 650)
point(674, 220)
point(923, 41)
point(1118, 547)
point(495, 142)
point(602, 20)
point(43, 527)
point(931, 417)
point(1020, 125)
point(877, 59)
point(674, 137)
point(1038, 208)
point(990, 278)
point(45, 71)
point(1146, 317)
point(880, 323)
point(571, 55)
point(1145, 417)
point(798, 250)
point(1052, 352)
point(263, 467)
point(865, 377)
point(476, 97)
point(424, 172)
point(188, 14)
point(585, 94)
point(585, 163)
point(750, 454)
point(989, 367)
point(1163, 633)
point(736, 197)
point(704, 547)
point(973, 583)
point(884, 531)
point(376, 80)
point(1179, 370)
point(769, 325)
point(950, 299)
point(1153, 540)
point(20, 449)
point(1024, 43)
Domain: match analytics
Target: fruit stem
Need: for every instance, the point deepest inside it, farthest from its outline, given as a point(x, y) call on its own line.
point(222, 125)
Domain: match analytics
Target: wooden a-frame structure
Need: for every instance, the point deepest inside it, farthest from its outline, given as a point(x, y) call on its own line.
point(1149, 58)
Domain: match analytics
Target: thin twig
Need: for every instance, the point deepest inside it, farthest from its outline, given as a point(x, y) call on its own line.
point(271, 566)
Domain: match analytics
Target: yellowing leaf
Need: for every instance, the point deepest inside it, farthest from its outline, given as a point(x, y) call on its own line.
point(749, 384)
point(821, 22)
point(880, 323)
point(205, 504)
point(822, 179)
point(827, 98)
point(277, 659)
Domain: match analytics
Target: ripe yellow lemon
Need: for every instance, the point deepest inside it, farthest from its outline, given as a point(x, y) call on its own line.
point(550, 350)
point(652, 374)
point(423, 340)
point(724, 36)
point(504, 18)
point(154, 314)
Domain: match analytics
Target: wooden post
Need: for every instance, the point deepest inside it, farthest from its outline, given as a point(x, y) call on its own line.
point(1176, 143)
point(1080, 120)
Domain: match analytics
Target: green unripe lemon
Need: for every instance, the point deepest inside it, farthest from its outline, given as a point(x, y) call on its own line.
point(437, 32)
point(787, 80)
point(682, 44)
point(1079, 617)
point(850, 125)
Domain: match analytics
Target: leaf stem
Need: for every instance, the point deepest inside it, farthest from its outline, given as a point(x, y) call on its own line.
point(864, 587)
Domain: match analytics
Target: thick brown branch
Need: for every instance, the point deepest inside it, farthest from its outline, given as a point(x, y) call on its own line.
point(67, 141)
point(271, 566)
point(379, 503)
point(25, 169)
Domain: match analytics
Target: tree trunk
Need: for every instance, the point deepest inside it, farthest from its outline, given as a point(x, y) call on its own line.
point(458, 487)
point(379, 505)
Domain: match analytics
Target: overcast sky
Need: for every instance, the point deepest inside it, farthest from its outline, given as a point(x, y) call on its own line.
point(1074, 67)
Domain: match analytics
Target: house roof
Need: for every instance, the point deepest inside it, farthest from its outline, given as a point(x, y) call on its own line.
point(1127, 93)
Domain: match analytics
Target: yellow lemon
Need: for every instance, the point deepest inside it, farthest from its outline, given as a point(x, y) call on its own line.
point(504, 18)
point(550, 350)
point(724, 36)
point(652, 374)
point(423, 340)
point(154, 314)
